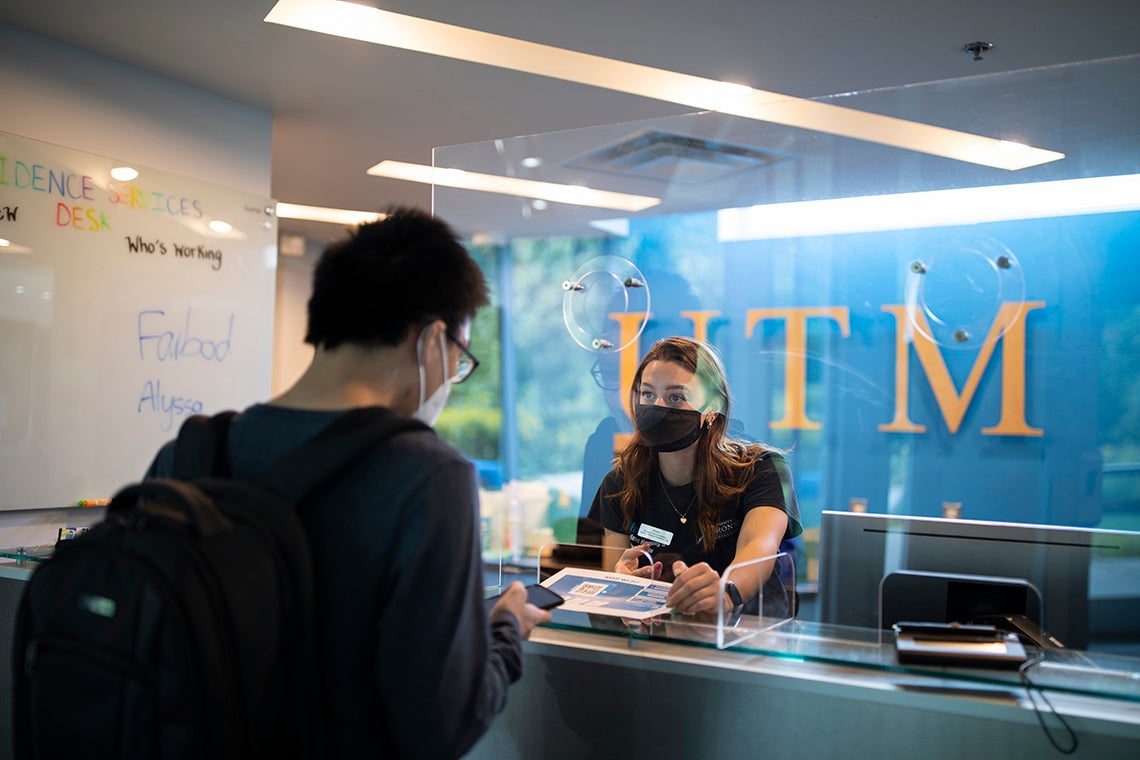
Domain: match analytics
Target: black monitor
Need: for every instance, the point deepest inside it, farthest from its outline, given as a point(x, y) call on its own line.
point(858, 550)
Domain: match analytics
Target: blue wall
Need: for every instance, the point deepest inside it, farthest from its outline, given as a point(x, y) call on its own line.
point(1084, 269)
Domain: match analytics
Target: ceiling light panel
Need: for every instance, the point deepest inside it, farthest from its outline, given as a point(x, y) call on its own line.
point(936, 208)
point(577, 195)
point(343, 19)
point(323, 214)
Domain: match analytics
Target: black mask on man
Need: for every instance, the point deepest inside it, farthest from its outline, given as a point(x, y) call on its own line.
point(663, 428)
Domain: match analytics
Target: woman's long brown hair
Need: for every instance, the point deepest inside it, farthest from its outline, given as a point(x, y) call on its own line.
point(721, 464)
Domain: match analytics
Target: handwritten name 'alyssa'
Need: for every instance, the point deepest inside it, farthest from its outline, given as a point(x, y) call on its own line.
point(156, 400)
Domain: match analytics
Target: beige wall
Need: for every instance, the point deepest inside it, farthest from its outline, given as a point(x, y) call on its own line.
point(294, 280)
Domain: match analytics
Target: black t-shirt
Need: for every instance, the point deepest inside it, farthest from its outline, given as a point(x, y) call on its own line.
point(769, 485)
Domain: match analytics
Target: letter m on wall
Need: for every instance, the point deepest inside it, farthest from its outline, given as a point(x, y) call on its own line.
point(1008, 328)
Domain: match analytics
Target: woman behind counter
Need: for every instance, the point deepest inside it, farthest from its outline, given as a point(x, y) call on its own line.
point(692, 496)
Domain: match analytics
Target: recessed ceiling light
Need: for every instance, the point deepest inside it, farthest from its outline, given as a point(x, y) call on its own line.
point(322, 214)
point(359, 22)
point(531, 162)
point(124, 173)
point(217, 225)
point(7, 246)
point(577, 195)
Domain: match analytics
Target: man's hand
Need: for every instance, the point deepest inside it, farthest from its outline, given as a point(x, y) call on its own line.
point(513, 600)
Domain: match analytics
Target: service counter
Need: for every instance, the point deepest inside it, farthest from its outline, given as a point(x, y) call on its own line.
point(597, 686)
point(589, 694)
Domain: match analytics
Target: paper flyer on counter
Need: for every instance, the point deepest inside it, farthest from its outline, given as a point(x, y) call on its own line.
point(605, 593)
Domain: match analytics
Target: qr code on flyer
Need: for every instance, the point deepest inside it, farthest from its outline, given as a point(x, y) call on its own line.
point(589, 589)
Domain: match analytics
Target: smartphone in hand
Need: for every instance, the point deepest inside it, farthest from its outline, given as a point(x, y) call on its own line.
point(542, 597)
point(537, 594)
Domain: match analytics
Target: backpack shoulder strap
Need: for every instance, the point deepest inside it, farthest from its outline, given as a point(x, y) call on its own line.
point(200, 449)
point(334, 448)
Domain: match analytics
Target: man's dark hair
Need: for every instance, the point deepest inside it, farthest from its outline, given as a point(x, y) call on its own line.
point(390, 276)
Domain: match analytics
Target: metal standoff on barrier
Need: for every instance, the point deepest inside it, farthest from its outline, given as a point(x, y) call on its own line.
point(600, 288)
point(963, 291)
point(977, 48)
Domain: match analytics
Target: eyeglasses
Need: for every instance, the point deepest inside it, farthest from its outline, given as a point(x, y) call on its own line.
point(467, 362)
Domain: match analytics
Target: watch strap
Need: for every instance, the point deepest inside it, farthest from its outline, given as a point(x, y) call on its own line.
point(733, 594)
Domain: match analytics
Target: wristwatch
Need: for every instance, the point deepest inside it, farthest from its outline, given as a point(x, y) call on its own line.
point(734, 595)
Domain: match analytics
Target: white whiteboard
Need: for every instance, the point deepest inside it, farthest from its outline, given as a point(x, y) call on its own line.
point(121, 312)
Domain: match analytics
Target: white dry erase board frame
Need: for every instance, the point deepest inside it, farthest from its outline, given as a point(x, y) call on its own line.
point(121, 312)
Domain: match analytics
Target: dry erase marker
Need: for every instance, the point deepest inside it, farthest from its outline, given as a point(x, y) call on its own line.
point(93, 502)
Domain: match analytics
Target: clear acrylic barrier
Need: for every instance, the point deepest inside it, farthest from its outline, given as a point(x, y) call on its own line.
point(599, 597)
point(1079, 586)
point(492, 576)
point(1101, 672)
point(927, 338)
point(774, 604)
point(494, 537)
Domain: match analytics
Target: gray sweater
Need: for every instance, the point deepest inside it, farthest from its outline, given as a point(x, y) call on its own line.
point(411, 666)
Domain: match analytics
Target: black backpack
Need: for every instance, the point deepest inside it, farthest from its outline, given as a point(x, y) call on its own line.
point(182, 625)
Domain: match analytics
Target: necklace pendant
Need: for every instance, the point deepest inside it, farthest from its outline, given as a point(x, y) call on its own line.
point(684, 520)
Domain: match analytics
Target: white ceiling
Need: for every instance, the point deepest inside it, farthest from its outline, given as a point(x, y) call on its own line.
point(341, 106)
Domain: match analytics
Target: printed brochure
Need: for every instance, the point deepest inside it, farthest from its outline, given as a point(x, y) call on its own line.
point(603, 593)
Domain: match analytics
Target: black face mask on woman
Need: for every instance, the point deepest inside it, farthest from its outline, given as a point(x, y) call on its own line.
point(664, 429)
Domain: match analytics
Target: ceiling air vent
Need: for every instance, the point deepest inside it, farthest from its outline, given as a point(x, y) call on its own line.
point(669, 157)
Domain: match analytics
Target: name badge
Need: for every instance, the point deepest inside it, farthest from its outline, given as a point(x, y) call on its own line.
point(656, 535)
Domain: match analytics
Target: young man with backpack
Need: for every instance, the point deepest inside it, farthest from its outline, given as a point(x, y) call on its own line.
point(410, 664)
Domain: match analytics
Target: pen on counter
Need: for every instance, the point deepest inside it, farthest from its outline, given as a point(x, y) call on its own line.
point(93, 502)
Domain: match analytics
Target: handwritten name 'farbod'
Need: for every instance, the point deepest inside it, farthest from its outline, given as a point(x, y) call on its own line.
point(1008, 329)
point(159, 340)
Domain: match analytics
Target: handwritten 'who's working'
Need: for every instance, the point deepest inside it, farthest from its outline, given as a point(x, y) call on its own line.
point(199, 251)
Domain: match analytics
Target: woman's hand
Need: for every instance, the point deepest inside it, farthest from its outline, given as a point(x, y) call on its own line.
point(627, 564)
point(696, 589)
